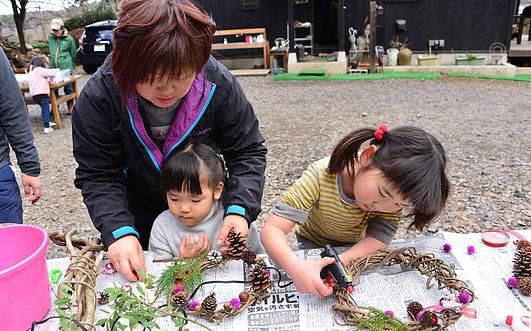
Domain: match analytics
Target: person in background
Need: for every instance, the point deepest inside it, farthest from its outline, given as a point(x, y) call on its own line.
point(15, 131)
point(39, 88)
point(63, 50)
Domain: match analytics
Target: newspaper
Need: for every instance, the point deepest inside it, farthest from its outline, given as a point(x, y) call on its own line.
point(388, 288)
point(490, 268)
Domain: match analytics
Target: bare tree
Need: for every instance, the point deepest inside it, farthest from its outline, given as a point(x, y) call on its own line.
point(19, 15)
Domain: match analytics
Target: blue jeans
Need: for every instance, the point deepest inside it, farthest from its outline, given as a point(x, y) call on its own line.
point(10, 201)
point(68, 89)
point(43, 100)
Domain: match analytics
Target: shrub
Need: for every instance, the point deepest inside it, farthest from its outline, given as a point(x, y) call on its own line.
point(95, 13)
point(42, 45)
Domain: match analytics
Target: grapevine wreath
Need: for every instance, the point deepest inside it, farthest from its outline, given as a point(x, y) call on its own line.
point(436, 317)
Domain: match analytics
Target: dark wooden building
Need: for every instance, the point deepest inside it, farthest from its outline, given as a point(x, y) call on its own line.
point(464, 25)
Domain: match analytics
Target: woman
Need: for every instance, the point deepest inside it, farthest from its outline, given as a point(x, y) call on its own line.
point(63, 50)
point(158, 91)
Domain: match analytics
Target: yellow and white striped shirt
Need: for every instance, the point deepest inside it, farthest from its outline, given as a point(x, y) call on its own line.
point(327, 216)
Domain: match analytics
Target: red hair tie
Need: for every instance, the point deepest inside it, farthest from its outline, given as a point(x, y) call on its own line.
point(378, 134)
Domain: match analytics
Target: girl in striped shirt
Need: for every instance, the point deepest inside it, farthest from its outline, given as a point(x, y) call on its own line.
point(356, 198)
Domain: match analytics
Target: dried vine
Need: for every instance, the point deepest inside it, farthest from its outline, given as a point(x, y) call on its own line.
point(86, 255)
point(436, 271)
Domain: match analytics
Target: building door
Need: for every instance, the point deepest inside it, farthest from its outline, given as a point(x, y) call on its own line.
point(325, 18)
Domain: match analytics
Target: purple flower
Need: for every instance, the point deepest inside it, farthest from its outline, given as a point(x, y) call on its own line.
point(470, 250)
point(267, 273)
point(420, 314)
point(447, 247)
point(178, 288)
point(512, 282)
point(235, 303)
point(389, 313)
point(192, 304)
point(464, 297)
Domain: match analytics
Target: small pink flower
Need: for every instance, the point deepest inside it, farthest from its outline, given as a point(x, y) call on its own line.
point(512, 282)
point(192, 304)
point(235, 303)
point(178, 288)
point(470, 250)
point(108, 269)
point(464, 297)
point(389, 313)
point(447, 248)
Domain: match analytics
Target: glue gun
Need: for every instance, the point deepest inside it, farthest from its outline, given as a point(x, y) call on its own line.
point(336, 271)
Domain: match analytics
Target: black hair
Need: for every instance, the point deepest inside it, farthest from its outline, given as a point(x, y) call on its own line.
point(36, 61)
point(182, 171)
point(411, 160)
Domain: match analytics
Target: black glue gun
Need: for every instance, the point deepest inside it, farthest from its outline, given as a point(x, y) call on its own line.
point(336, 271)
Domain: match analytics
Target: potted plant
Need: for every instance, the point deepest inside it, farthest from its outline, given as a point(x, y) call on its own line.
point(469, 59)
point(428, 59)
point(404, 53)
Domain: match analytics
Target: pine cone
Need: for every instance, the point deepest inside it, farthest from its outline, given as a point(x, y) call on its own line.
point(261, 281)
point(524, 284)
point(237, 245)
point(413, 309)
point(179, 298)
point(249, 257)
point(522, 259)
point(103, 298)
point(523, 244)
point(210, 304)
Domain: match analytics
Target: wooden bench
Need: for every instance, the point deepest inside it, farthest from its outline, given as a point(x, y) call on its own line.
point(54, 100)
point(244, 45)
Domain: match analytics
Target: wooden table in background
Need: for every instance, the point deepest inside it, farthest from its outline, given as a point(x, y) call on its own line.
point(54, 100)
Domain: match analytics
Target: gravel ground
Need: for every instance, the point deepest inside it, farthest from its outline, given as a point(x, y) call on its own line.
point(483, 124)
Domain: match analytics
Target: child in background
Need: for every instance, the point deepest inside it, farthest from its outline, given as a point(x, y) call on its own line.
point(193, 180)
point(355, 198)
point(39, 88)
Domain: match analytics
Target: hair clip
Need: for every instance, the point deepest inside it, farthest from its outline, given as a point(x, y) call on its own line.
point(378, 134)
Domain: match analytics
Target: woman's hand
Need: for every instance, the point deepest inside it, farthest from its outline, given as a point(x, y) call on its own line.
point(126, 255)
point(306, 276)
point(232, 222)
point(190, 247)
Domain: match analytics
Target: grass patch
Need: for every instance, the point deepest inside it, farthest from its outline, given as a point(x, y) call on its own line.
point(520, 78)
point(385, 75)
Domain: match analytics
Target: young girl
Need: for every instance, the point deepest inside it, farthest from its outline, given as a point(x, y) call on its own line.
point(356, 196)
point(193, 180)
point(40, 89)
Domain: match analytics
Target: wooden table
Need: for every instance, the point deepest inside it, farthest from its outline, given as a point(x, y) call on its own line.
point(54, 100)
point(243, 45)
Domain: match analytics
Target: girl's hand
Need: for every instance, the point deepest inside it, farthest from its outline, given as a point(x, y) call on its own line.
point(306, 277)
point(190, 247)
point(232, 222)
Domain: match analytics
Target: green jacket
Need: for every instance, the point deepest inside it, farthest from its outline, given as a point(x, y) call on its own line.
point(62, 52)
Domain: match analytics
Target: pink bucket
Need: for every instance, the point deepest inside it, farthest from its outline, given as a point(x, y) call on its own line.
point(24, 285)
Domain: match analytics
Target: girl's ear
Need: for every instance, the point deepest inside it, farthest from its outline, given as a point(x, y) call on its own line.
point(366, 155)
point(218, 190)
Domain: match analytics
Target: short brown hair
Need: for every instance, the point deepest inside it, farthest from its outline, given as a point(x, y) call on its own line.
point(171, 38)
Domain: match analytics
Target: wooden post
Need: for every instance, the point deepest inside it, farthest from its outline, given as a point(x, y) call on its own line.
point(372, 43)
point(55, 108)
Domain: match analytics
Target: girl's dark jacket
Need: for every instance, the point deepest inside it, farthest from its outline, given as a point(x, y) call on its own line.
point(120, 167)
